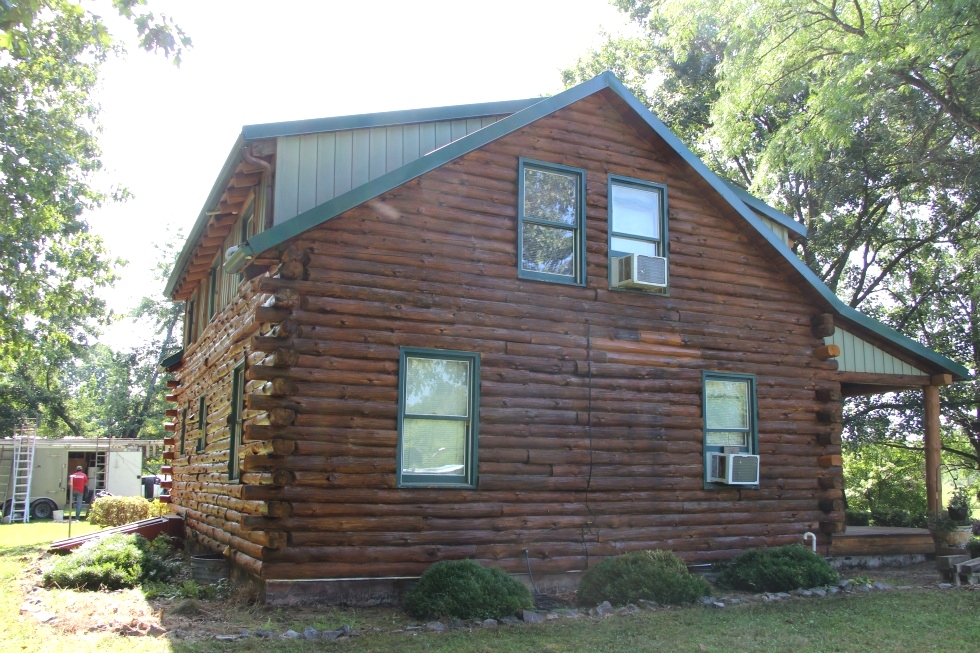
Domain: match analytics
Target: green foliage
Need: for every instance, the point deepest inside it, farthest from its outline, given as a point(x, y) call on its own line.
point(50, 55)
point(110, 563)
point(117, 511)
point(861, 120)
point(776, 570)
point(463, 589)
point(857, 518)
point(973, 546)
point(655, 575)
point(159, 508)
point(900, 518)
point(882, 478)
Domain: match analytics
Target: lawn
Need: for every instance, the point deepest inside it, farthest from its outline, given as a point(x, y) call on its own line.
point(908, 620)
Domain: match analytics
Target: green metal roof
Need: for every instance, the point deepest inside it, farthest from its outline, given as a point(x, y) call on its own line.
point(605, 81)
point(383, 119)
point(768, 211)
point(297, 127)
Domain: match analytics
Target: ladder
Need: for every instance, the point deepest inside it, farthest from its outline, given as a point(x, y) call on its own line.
point(22, 472)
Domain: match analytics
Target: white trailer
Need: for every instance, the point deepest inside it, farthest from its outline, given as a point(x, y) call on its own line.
point(114, 465)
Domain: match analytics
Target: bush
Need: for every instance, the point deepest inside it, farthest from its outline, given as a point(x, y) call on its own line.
point(655, 575)
point(973, 546)
point(776, 570)
point(113, 562)
point(463, 589)
point(899, 517)
point(117, 511)
point(857, 518)
point(159, 509)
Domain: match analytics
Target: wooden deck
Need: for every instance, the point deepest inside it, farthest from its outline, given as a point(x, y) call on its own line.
point(881, 540)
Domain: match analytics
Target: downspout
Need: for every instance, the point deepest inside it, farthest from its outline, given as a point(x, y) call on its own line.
point(267, 167)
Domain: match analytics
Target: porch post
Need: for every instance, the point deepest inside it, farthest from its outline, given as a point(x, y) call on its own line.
point(932, 444)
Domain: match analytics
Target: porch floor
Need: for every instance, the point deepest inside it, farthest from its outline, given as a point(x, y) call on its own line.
point(881, 540)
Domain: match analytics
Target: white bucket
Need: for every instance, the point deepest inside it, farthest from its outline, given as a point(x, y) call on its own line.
point(58, 515)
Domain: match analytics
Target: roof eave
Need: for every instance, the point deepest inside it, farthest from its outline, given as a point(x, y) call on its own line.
point(224, 178)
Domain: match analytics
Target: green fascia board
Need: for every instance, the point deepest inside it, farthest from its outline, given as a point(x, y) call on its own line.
point(606, 80)
point(383, 119)
point(761, 207)
point(224, 177)
point(172, 359)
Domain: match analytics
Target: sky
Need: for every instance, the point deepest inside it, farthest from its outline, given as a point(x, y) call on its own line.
point(167, 130)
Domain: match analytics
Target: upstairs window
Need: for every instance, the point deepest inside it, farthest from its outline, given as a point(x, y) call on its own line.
point(437, 417)
point(637, 225)
point(202, 425)
point(235, 421)
point(551, 215)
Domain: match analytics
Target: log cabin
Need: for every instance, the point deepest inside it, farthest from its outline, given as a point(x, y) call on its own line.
point(532, 333)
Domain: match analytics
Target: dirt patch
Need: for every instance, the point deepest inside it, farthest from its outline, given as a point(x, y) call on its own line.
point(131, 613)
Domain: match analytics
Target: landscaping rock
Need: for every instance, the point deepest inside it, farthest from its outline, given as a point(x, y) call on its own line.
point(436, 626)
point(228, 638)
point(945, 586)
point(845, 585)
point(510, 620)
point(552, 616)
point(532, 617)
point(819, 591)
point(628, 609)
point(291, 634)
point(155, 631)
point(311, 633)
point(572, 614)
point(457, 624)
point(264, 634)
point(882, 587)
point(489, 623)
point(647, 605)
point(604, 609)
point(334, 634)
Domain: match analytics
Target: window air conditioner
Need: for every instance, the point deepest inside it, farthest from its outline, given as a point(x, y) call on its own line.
point(640, 272)
point(733, 468)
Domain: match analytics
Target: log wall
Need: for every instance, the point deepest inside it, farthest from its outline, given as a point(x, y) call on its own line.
point(590, 439)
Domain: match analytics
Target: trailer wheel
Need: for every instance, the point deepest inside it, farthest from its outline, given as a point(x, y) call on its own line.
point(42, 509)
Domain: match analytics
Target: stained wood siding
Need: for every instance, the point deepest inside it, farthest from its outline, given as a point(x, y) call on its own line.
point(314, 168)
point(590, 439)
point(858, 355)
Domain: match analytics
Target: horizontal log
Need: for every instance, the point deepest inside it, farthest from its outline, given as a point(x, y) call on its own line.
point(829, 394)
point(832, 527)
point(826, 351)
point(831, 461)
point(823, 325)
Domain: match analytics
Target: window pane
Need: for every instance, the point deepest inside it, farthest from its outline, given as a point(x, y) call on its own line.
point(548, 249)
point(636, 211)
point(432, 446)
point(436, 387)
point(550, 196)
point(727, 404)
point(726, 439)
point(622, 246)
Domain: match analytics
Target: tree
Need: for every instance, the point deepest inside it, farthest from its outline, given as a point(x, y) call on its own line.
point(858, 119)
point(50, 264)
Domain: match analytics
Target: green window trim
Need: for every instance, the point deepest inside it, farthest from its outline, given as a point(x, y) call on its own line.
point(189, 323)
point(183, 430)
point(527, 221)
point(466, 477)
point(660, 242)
point(213, 292)
point(202, 425)
point(750, 444)
point(235, 420)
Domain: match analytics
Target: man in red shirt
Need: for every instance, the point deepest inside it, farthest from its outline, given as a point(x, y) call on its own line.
point(78, 482)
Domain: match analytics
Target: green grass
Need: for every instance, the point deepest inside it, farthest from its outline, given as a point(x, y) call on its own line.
point(897, 621)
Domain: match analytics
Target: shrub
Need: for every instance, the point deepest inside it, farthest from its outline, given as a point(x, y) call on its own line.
point(776, 570)
point(159, 509)
point(111, 563)
point(655, 575)
point(117, 511)
point(857, 518)
point(464, 589)
point(973, 546)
